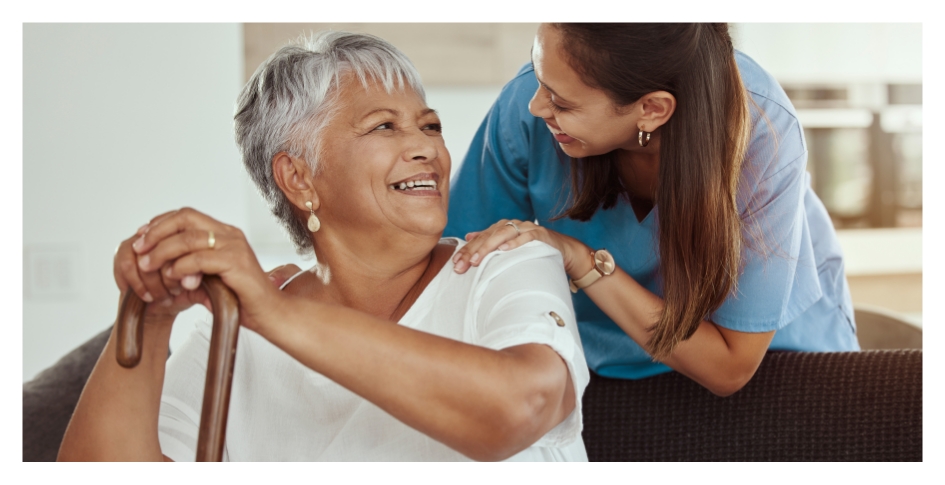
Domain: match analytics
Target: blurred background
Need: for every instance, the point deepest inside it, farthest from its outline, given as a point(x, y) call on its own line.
point(122, 122)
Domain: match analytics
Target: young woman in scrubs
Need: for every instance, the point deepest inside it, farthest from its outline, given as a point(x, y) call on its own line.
point(670, 171)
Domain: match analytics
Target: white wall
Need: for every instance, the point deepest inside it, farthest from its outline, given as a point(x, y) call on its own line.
point(120, 123)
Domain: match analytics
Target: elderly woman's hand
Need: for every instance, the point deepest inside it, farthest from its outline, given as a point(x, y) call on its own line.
point(165, 296)
point(185, 244)
point(506, 235)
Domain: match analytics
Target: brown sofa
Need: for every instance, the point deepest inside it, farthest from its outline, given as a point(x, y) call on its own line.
point(850, 406)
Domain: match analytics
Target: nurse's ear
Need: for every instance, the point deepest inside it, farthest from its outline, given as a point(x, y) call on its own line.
point(294, 177)
point(654, 110)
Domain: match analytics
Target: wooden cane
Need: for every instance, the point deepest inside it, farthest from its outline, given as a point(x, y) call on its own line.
point(216, 393)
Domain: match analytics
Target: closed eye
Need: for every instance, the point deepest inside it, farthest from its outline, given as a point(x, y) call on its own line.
point(555, 107)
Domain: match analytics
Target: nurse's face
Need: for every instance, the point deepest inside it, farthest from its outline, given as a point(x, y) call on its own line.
point(582, 119)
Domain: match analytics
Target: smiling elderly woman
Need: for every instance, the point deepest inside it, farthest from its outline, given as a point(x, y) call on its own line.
point(392, 357)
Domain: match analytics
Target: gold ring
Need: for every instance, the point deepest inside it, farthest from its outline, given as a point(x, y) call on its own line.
point(510, 223)
point(211, 240)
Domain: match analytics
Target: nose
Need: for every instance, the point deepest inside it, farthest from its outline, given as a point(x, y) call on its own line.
point(421, 148)
point(538, 105)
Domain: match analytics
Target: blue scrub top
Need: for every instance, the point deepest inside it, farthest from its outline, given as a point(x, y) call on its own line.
point(513, 171)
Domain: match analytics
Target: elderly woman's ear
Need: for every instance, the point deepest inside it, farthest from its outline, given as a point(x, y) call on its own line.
point(294, 177)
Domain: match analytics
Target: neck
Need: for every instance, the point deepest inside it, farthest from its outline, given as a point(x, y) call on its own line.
point(372, 275)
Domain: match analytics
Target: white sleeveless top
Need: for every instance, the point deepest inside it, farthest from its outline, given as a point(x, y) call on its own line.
point(281, 410)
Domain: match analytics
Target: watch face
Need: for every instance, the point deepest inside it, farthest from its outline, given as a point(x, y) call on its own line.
point(604, 262)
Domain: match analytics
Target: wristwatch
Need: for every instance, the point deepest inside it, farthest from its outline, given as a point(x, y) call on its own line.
point(603, 266)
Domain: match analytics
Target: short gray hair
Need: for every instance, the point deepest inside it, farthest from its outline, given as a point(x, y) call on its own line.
point(292, 97)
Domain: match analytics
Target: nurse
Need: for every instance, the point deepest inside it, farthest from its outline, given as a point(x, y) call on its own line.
point(670, 171)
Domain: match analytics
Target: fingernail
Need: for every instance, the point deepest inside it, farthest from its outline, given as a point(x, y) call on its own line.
point(272, 278)
point(459, 266)
point(191, 282)
point(503, 247)
point(169, 271)
point(138, 244)
point(456, 257)
point(166, 302)
point(143, 262)
point(147, 297)
point(174, 291)
point(142, 229)
point(474, 259)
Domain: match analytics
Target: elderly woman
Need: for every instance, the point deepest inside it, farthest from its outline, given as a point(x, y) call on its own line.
point(378, 353)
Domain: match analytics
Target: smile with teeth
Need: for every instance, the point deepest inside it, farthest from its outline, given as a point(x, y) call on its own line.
point(415, 185)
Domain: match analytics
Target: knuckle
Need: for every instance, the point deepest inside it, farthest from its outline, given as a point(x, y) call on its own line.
point(126, 265)
point(194, 240)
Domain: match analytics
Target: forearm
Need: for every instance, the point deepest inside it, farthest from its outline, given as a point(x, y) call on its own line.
point(483, 403)
point(117, 413)
point(708, 357)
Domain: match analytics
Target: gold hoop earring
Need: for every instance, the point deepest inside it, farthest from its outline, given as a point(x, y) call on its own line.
point(313, 223)
point(643, 142)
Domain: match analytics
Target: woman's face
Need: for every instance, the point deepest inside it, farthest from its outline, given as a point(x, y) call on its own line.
point(582, 119)
point(384, 165)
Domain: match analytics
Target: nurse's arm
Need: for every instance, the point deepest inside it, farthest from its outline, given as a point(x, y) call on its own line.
point(719, 359)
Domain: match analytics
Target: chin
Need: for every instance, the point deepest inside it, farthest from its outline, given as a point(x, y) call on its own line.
point(582, 151)
point(432, 227)
point(573, 151)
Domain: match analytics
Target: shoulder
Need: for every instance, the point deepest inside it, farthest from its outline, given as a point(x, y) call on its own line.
point(523, 84)
point(761, 84)
point(515, 95)
point(499, 261)
point(534, 266)
point(777, 137)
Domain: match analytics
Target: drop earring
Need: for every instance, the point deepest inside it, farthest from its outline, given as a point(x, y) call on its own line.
point(313, 223)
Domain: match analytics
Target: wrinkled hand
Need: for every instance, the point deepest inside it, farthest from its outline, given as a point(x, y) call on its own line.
point(502, 236)
point(176, 245)
point(165, 297)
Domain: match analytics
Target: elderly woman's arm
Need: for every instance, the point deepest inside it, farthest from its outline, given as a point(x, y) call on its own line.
point(117, 414)
point(488, 404)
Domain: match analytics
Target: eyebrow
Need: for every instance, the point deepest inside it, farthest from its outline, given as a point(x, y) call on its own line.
point(397, 113)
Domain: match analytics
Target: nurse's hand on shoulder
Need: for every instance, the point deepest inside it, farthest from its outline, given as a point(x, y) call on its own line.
point(506, 235)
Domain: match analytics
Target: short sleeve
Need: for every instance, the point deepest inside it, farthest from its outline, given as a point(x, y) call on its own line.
point(517, 295)
point(182, 396)
point(779, 278)
point(492, 182)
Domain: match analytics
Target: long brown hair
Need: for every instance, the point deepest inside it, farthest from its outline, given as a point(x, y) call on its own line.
point(702, 146)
